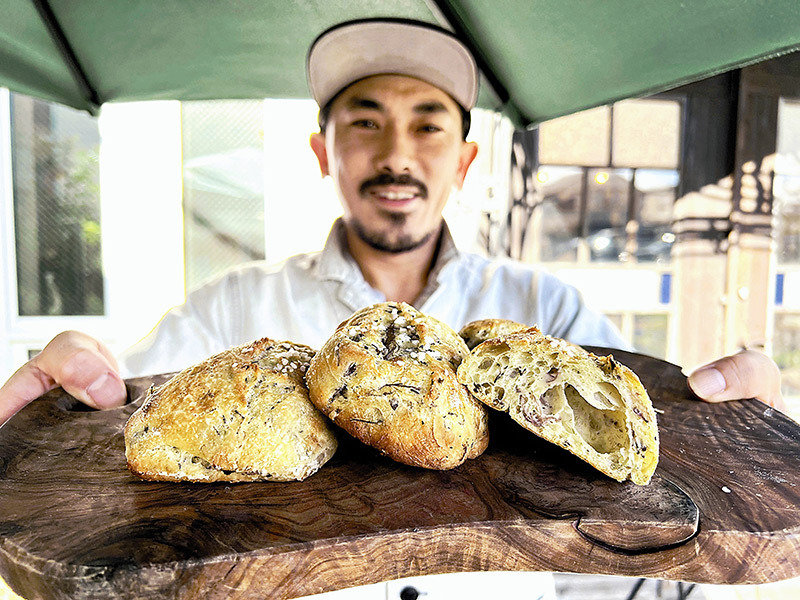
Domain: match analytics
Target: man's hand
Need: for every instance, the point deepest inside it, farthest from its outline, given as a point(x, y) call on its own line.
point(748, 374)
point(84, 367)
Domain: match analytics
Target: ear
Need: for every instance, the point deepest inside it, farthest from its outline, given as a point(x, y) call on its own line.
point(469, 150)
point(317, 142)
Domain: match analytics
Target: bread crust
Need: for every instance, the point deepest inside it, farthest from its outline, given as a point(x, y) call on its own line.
point(477, 332)
point(388, 377)
point(241, 415)
point(592, 406)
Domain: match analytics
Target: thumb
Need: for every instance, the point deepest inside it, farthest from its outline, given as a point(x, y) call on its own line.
point(83, 366)
point(748, 374)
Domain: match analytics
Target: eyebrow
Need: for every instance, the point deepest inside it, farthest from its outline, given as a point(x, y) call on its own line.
point(432, 107)
point(356, 102)
point(424, 108)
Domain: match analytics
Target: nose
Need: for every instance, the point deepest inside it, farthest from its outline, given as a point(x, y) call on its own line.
point(396, 152)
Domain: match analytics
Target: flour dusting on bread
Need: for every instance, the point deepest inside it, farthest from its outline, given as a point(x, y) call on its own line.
point(241, 415)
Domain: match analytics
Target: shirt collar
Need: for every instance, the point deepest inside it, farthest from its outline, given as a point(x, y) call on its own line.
point(447, 257)
point(335, 261)
point(448, 253)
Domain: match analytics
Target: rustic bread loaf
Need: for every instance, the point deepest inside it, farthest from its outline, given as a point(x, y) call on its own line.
point(241, 415)
point(477, 332)
point(388, 377)
point(590, 405)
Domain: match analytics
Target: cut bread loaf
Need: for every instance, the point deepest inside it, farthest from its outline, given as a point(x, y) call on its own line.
point(388, 377)
point(592, 406)
point(241, 415)
point(477, 332)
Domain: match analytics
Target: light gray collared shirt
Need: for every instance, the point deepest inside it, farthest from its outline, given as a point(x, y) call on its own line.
point(304, 298)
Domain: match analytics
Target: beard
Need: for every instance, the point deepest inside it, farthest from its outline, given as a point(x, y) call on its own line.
point(384, 241)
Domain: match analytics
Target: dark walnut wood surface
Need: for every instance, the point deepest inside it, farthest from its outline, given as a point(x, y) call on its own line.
point(74, 523)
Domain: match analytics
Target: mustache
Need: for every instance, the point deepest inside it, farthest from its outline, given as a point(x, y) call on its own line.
point(403, 179)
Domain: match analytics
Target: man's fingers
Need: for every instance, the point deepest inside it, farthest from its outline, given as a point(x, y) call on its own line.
point(27, 384)
point(85, 368)
point(748, 374)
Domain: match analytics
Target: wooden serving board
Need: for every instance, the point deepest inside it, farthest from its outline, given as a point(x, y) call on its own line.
point(723, 507)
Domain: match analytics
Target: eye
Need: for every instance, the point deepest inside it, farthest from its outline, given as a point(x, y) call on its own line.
point(430, 129)
point(365, 124)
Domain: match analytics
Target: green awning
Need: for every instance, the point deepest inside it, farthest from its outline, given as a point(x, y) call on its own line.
point(540, 58)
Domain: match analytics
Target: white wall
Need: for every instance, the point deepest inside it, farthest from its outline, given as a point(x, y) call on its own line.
point(142, 215)
point(299, 205)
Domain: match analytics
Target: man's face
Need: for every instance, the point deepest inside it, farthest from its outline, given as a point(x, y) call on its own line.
point(394, 149)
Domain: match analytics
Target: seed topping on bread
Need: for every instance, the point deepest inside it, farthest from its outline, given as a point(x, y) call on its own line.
point(387, 376)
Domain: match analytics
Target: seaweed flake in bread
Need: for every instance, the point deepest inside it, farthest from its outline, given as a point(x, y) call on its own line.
point(388, 377)
point(241, 415)
point(590, 405)
point(477, 332)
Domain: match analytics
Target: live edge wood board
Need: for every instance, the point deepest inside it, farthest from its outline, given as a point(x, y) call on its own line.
point(723, 507)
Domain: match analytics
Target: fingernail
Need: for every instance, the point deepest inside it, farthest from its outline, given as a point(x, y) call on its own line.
point(106, 391)
point(707, 382)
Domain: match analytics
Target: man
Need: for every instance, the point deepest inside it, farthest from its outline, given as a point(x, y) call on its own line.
point(395, 99)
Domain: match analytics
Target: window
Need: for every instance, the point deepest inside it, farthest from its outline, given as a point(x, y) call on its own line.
point(655, 191)
point(786, 352)
point(560, 212)
point(56, 200)
point(610, 176)
point(223, 185)
point(606, 217)
point(606, 184)
point(786, 209)
point(646, 133)
point(786, 186)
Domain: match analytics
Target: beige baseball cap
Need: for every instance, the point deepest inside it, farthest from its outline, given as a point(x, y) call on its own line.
point(354, 50)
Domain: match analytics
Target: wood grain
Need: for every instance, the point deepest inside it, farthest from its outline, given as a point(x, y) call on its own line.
point(74, 523)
